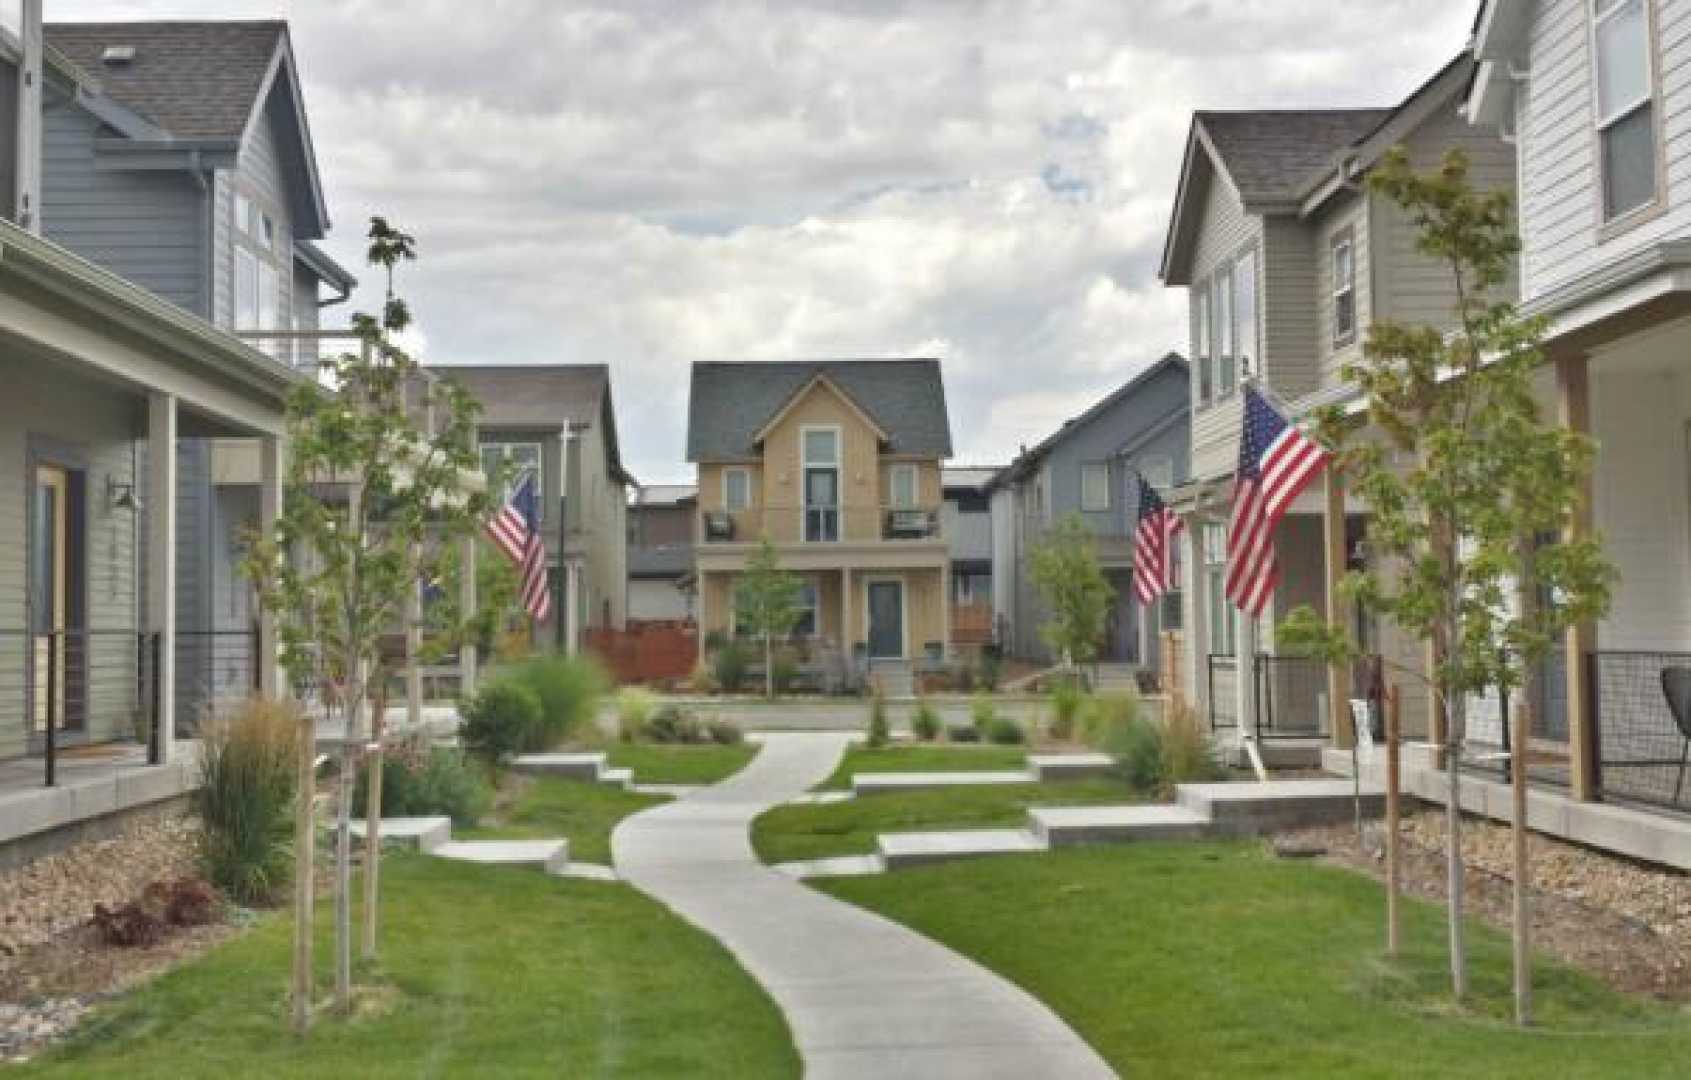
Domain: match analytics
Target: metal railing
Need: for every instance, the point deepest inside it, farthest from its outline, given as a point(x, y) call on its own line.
point(1289, 693)
point(215, 670)
point(819, 524)
point(1222, 673)
point(1642, 749)
point(69, 688)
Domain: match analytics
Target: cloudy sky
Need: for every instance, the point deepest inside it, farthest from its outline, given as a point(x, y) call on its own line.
point(649, 183)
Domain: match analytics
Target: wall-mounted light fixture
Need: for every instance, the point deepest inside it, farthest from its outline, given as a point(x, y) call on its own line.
point(121, 496)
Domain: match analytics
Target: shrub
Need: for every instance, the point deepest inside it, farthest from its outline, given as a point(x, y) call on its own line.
point(634, 708)
point(1066, 700)
point(879, 732)
point(245, 799)
point(924, 722)
point(127, 926)
point(569, 689)
point(984, 714)
point(418, 779)
point(724, 732)
point(1187, 754)
point(1005, 731)
point(188, 901)
point(965, 680)
point(500, 721)
point(729, 665)
point(962, 733)
point(786, 670)
point(671, 724)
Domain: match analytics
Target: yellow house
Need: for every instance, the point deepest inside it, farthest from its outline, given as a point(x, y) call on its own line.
point(838, 464)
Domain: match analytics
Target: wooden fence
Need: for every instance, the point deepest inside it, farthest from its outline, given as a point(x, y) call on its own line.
point(648, 651)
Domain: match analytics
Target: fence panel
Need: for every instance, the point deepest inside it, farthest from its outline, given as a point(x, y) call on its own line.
point(647, 651)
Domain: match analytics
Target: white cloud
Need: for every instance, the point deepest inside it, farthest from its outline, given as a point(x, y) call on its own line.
point(645, 184)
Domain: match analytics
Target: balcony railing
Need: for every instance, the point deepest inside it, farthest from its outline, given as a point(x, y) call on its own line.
point(819, 524)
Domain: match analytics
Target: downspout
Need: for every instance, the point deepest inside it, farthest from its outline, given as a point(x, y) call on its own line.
point(208, 222)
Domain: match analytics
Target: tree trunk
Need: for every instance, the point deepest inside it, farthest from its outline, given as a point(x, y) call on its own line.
point(1394, 919)
point(1518, 829)
point(1454, 721)
point(343, 843)
point(305, 892)
point(373, 823)
point(768, 665)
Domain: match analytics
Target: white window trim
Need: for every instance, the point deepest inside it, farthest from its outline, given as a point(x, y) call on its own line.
point(1597, 11)
point(1239, 373)
point(1224, 326)
point(903, 468)
point(1343, 240)
point(838, 465)
point(1151, 464)
point(815, 606)
point(1203, 345)
point(539, 449)
point(736, 470)
point(1086, 505)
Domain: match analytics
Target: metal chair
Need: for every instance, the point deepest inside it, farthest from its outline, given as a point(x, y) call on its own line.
point(1676, 687)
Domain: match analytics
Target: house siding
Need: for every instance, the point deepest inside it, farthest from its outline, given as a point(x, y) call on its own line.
point(1227, 230)
point(1349, 212)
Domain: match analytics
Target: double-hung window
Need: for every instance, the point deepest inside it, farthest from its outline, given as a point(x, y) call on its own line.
point(1095, 485)
point(1626, 105)
point(1219, 614)
point(736, 490)
point(1222, 336)
point(901, 483)
point(1244, 318)
point(1201, 344)
point(805, 605)
point(1344, 288)
point(821, 450)
point(517, 461)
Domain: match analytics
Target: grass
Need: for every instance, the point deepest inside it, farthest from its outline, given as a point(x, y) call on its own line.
point(655, 763)
point(549, 806)
point(1218, 960)
point(926, 757)
point(816, 831)
point(485, 971)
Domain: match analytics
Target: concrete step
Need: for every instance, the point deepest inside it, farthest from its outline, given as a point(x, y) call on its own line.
point(840, 866)
point(1065, 826)
point(623, 778)
point(1069, 766)
point(1252, 808)
point(551, 856)
point(426, 834)
point(916, 848)
point(586, 766)
point(1279, 753)
point(880, 783)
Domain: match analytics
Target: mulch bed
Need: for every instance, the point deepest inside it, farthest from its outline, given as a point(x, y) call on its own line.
point(1626, 922)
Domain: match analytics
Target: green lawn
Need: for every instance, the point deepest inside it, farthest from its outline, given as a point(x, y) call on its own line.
point(488, 971)
point(584, 813)
point(815, 831)
point(666, 764)
point(1218, 960)
point(925, 757)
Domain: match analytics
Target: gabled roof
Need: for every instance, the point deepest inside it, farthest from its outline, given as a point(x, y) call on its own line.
point(731, 402)
point(665, 496)
point(1028, 459)
point(202, 82)
point(543, 397)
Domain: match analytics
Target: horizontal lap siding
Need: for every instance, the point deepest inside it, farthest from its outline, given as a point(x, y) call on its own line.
point(1226, 231)
point(1290, 357)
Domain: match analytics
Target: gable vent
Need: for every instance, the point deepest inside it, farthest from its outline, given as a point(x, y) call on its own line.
point(118, 54)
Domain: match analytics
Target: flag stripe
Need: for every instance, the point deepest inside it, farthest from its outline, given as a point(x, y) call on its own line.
point(1276, 463)
point(515, 531)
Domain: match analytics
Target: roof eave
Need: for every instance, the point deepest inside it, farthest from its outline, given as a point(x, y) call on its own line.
point(282, 65)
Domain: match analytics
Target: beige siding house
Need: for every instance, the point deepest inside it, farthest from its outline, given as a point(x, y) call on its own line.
point(838, 464)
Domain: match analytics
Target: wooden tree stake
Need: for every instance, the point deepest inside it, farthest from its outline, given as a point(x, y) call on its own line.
point(1394, 920)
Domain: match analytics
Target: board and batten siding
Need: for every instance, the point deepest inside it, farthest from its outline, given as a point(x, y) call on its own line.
point(1562, 238)
point(1226, 231)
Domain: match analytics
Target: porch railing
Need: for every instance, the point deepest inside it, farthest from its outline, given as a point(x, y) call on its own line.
point(1221, 675)
point(1289, 692)
point(819, 524)
point(63, 689)
point(1642, 751)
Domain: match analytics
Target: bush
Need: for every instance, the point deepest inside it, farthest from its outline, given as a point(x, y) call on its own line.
point(1066, 700)
point(634, 708)
point(984, 715)
point(1005, 732)
point(188, 901)
point(245, 800)
point(924, 722)
point(962, 733)
point(418, 779)
point(500, 721)
point(729, 665)
point(1187, 754)
point(1151, 756)
point(724, 732)
point(569, 689)
point(879, 731)
point(127, 926)
point(786, 670)
point(670, 724)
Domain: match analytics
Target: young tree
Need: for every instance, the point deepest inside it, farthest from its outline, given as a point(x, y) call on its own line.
point(1471, 493)
point(372, 501)
point(766, 605)
point(1065, 570)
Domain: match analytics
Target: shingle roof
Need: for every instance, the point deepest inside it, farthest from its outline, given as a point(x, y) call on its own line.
point(731, 401)
point(193, 79)
point(968, 476)
point(664, 495)
point(1269, 154)
point(533, 395)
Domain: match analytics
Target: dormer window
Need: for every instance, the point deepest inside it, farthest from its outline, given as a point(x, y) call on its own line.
point(1626, 105)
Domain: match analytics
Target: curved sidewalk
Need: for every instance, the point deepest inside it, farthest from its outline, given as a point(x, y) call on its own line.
point(865, 996)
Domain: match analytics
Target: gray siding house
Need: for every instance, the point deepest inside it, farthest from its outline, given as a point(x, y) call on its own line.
point(559, 419)
point(966, 523)
point(178, 155)
point(1090, 467)
point(660, 553)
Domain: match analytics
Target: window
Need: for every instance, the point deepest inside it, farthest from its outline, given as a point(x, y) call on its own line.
point(1244, 317)
point(521, 460)
point(1224, 334)
point(258, 278)
point(1095, 485)
point(805, 604)
point(243, 213)
point(736, 490)
point(821, 446)
point(902, 485)
point(1201, 344)
point(246, 290)
point(1158, 471)
point(1626, 106)
point(1220, 616)
point(821, 449)
point(1344, 288)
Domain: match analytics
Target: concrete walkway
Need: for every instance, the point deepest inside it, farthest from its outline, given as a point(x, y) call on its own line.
point(865, 996)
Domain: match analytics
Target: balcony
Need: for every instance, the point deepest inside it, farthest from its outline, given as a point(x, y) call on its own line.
point(820, 525)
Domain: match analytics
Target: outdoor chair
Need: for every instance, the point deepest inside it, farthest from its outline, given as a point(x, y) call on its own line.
point(1676, 687)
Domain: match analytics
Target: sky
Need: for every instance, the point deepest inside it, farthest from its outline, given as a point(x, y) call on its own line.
point(644, 184)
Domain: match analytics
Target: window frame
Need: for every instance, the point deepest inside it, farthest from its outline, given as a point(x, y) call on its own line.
point(807, 589)
point(505, 446)
point(1240, 369)
point(1343, 240)
point(1087, 505)
point(896, 470)
point(1218, 620)
point(745, 476)
point(1610, 226)
point(1203, 343)
point(1221, 311)
point(1151, 465)
point(837, 465)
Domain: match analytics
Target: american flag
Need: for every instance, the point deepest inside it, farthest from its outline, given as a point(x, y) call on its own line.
point(1276, 462)
point(515, 529)
point(1153, 545)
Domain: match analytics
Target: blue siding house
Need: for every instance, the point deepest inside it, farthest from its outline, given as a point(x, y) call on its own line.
point(1089, 467)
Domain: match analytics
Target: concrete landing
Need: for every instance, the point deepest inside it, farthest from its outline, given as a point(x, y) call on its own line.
point(842, 866)
point(426, 834)
point(588, 766)
point(551, 856)
point(880, 783)
point(588, 871)
point(623, 778)
point(1247, 809)
point(1066, 826)
point(1070, 766)
point(819, 798)
point(674, 791)
point(915, 848)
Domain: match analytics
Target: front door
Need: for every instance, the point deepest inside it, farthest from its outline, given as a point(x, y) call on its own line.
point(886, 620)
point(51, 546)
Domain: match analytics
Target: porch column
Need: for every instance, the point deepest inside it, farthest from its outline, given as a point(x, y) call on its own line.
point(1573, 399)
point(847, 633)
point(272, 681)
point(1338, 677)
point(572, 601)
point(945, 611)
point(161, 559)
point(467, 607)
point(1197, 626)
